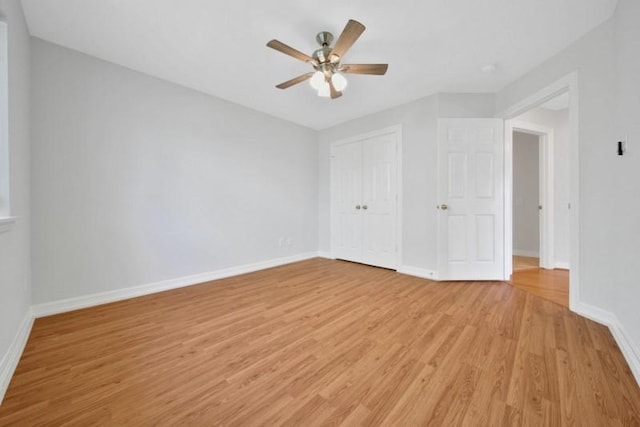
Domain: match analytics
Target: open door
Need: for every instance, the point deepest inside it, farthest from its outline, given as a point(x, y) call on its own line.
point(471, 199)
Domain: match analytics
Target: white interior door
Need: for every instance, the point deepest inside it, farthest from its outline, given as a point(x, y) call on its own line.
point(471, 199)
point(379, 200)
point(346, 201)
point(364, 202)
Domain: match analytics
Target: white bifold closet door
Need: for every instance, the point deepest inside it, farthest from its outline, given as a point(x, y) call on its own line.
point(364, 201)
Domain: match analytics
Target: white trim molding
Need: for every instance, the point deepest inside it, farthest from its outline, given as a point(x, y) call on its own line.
point(325, 254)
point(569, 83)
point(11, 358)
point(76, 303)
point(418, 272)
point(629, 351)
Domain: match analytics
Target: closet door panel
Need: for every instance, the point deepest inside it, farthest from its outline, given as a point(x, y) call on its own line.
point(346, 194)
point(364, 201)
point(379, 200)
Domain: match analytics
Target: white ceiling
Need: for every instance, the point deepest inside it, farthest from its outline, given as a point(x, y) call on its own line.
point(218, 47)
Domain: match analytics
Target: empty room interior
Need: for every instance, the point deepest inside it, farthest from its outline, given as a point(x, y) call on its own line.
point(284, 213)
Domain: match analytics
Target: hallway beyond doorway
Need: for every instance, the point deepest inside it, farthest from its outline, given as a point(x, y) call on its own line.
point(548, 284)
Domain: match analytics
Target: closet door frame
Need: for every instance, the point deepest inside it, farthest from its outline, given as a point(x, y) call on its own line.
point(397, 131)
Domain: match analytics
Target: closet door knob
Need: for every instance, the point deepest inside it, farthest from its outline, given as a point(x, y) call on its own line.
point(358, 207)
point(444, 207)
point(364, 207)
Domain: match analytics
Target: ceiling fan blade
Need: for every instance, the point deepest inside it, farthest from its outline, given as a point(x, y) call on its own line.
point(294, 81)
point(288, 50)
point(334, 93)
point(377, 69)
point(349, 35)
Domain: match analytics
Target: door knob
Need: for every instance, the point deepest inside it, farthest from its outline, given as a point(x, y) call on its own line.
point(358, 207)
point(539, 207)
point(364, 207)
point(443, 207)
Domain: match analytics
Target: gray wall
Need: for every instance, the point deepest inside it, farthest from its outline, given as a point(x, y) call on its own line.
point(419, 120)
point(593, 57)
point(623, 175)
point(136, 180)
point(15, 288)
point(608, 71)
point(526, 194)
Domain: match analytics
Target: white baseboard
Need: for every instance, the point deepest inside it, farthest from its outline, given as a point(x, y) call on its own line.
point(11, 358)
point(629, 351)
point(418, 272)
point(562, 265)
point(594, 313)
point(324, 254)
point(523, 252)
point(76, 303)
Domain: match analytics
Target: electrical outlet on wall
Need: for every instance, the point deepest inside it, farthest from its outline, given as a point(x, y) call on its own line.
point(289, 241)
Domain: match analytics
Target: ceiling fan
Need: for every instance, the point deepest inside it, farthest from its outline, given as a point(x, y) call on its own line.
point(328, 77)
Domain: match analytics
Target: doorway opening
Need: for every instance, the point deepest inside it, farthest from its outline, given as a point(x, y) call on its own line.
point(538, 213)
point(528, 238)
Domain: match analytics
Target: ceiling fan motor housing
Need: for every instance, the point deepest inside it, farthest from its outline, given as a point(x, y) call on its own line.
point(324, 38)
point(322, 55)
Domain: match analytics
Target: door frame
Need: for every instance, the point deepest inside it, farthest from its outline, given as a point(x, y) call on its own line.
point(546, 192)
point(570, 84)
point(397, 130)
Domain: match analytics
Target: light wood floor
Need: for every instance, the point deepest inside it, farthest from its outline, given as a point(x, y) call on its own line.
point(549, 284)
point(525, 263)
point(323, 342)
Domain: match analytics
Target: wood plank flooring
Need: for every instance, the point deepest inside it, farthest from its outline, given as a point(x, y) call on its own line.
point(323, 342)
point(548, 284)
point(525, 263)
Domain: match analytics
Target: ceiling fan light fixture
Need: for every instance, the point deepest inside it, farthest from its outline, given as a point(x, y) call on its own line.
point(317, 80)
point(339, 81)
point(324, 91)
point(327, 77)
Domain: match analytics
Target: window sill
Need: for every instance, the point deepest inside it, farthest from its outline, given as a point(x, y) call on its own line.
point(7, 223)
